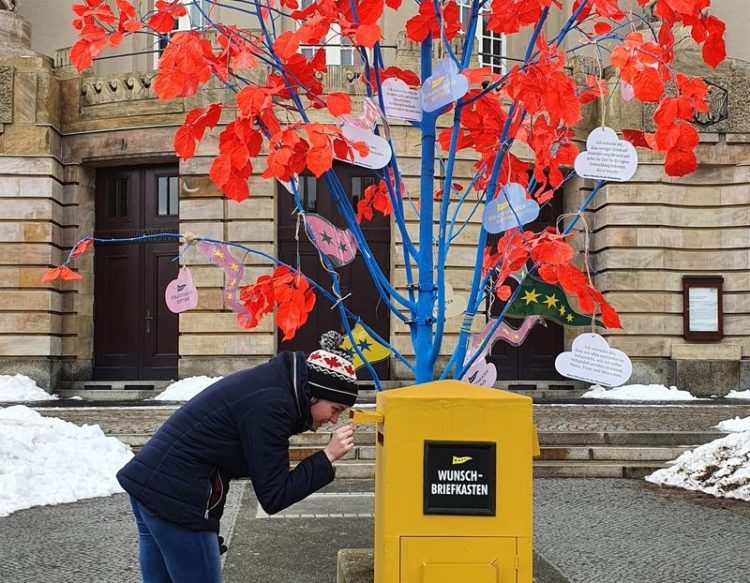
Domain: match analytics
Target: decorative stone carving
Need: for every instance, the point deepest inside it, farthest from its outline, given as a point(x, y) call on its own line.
point(117, 88)
point(8, 5)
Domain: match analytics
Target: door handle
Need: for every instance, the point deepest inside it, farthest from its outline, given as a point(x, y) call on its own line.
point(149, 317)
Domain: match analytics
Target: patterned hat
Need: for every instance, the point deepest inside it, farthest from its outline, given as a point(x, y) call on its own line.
point(330, 372)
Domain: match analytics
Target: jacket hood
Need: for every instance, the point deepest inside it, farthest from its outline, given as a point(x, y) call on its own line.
point(291, 365)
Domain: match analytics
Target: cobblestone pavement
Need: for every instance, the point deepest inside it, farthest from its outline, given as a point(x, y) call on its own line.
point(628, 531)
point(89, 541)
point(591, 531)
point(696, 416)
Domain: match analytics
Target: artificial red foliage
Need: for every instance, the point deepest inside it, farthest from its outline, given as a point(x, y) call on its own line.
point(289, 293)
point(61, 272)
point(536, 104)
point(81, 247)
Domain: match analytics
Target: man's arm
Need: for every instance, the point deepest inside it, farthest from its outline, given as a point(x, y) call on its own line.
point(265, 433)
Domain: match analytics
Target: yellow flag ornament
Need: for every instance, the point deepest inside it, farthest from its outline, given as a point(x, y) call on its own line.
point(372, 350)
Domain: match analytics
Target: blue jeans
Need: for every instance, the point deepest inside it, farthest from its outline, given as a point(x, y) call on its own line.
point(170, 554)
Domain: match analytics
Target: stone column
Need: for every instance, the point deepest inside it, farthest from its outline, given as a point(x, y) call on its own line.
point(32, 209)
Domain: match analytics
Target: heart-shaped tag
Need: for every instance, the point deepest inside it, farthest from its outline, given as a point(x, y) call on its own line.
point(510, 209)
point(481, 373)
point(444, 86)
point(379, 150)
point(181, 294)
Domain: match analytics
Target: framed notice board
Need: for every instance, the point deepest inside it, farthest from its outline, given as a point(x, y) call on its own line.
point(459, 478)
point(703, 309)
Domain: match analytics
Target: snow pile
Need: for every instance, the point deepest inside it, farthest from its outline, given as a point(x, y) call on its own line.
point(638, 393)
point(44, 460)
point(738, 395)
point(186, 389)
point(720, 468)
point(16, 388)
point(735, 425)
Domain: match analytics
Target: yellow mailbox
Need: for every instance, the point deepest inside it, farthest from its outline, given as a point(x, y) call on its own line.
point(453, 484)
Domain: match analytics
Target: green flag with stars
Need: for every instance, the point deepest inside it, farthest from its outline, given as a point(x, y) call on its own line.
point(548, 301)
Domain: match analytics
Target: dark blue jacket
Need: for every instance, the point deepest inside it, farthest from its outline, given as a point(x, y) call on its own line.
point(238, 427)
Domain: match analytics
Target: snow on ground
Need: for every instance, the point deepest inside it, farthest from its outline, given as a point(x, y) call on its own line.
point(44, 460)
point(186, 389)
point(17, 388)
point(638, 393)
point(738, 395)
point(735, 425)
point(720, 468)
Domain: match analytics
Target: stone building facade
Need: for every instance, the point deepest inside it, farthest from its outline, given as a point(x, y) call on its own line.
point(62, 133)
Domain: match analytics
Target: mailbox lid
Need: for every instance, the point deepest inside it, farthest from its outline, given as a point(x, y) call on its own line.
point(454, 559)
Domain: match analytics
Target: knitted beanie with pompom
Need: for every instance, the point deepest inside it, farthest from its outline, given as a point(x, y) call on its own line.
point(330, 372)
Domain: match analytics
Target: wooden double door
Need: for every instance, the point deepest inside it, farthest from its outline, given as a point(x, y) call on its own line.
point(135, 335)
point(534, 360)
point(357, 289)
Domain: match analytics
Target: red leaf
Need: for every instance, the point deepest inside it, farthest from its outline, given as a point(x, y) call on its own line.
point(648, 85)
point(82, 247)
point(370, 11)
point(714, 49)
point(680, 162)
point(286, 45)
point(637, 138)
point(162, 22)
point(553, 252)
point(221, 170)
point(320, 160)
point(602, 28)
point(51, 274)
point(339, 104)
point(368, 35)
point(502, 292)
point(69, 275)
point(393, 4)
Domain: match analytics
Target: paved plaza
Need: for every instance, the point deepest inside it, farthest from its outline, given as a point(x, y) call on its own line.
point(586, 531)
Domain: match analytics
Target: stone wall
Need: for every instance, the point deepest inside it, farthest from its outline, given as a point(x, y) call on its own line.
point(57, 128)
point(648, 233)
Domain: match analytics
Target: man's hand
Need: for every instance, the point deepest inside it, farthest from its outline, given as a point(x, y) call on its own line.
point(222, 546)
point(341, 443)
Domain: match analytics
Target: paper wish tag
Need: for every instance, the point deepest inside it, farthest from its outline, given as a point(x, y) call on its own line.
point(455, 304)
point(508, 209)
point(444, 86)
point(400, 100)
point(339, 245)
point(607, 157)
point(380, 151)
point(593, 360)
point(181, 294)
point(481, 373)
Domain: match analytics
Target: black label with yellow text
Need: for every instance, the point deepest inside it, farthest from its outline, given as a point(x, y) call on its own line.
point(459, 477)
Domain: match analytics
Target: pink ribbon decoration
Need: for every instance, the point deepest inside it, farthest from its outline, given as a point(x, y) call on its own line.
point(338, 245)
point(219, 255)
point(506, 332)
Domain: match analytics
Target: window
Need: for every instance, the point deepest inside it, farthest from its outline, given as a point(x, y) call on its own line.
point(194, 19)
point(339, 50)
point(117, 199)
point(308, 193)
point(491, 45)
point(167, 196)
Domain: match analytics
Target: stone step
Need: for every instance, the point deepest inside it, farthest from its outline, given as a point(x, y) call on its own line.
point(109, 395)
point(594, 469)
point(557, 445)
point(628, 454)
